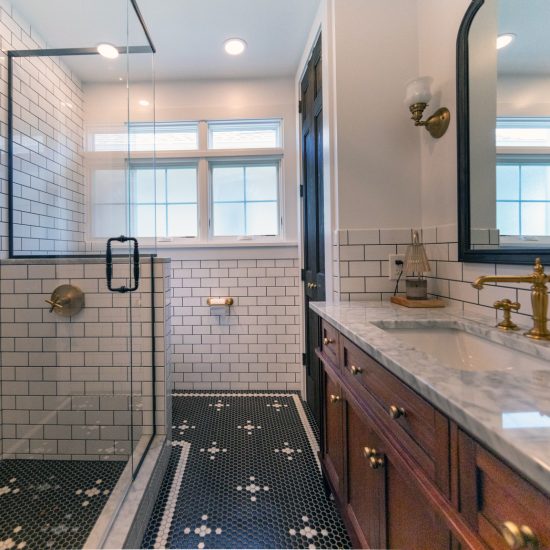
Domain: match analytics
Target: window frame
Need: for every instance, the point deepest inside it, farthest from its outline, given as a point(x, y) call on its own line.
point(202, 158)
point(246, 161)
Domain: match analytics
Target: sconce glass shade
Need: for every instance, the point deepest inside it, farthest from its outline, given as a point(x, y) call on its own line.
point(418, 90)
point(416, 260)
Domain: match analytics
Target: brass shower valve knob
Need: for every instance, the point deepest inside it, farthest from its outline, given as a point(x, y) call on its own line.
point(507, 306)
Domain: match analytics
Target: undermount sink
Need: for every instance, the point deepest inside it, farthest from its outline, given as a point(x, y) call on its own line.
point(460, 350)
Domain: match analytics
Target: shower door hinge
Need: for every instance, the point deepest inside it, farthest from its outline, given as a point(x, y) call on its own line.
point(304, 359)
point(301, 190)
point(303, 274)
point(300, 106)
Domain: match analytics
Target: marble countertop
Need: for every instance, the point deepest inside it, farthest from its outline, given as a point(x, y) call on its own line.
point(507, 410)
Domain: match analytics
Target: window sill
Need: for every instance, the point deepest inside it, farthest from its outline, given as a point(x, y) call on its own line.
point(219, 244)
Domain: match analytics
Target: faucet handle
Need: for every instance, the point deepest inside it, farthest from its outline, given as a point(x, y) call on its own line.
point(507, 307)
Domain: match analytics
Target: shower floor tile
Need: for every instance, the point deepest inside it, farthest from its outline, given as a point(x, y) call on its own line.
point(243, 473)
point(52, 503)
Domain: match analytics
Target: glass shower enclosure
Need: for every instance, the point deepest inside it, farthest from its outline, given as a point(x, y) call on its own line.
point(78, 396)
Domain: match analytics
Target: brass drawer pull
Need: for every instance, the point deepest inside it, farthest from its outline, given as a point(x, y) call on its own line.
point(335, 398)
point(327, 341)
point(376, 462)
point(518, 537)
point(396, 412)
point(356, 370)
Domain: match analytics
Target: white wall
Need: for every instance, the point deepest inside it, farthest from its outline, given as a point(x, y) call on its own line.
point(523, 96)
point(378, 154)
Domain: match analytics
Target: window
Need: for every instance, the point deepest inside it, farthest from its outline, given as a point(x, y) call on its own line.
point(252, 134)
point(245, 199)
point(164, 206)
point(166, 136)
point(523, 196)
point(159, 202)
point(218, 180)
point(523, 176)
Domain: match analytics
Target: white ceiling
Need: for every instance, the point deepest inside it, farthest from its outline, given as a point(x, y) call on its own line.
point(188, 35)
point(529, 53)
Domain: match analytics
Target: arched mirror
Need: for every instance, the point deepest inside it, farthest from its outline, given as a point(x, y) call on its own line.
point(503, 76)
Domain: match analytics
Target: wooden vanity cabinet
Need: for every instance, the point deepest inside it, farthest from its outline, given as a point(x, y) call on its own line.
point(492, 495)
point(415, 480)
point(382, 504)
point(333, 432)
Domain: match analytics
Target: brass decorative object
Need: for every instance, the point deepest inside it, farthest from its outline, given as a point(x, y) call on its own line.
point(396, 412)
point(437, 124)
point(356, 370)
point(213, 301)
point(335, 398)
point(417, 98)
point(518, 537)
point(66, 300)
point(539, 297)
point(507, 307)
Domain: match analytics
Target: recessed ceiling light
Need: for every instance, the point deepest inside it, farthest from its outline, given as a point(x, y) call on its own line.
point(107, 50)
point(144, 103)
point(504, 40)
point(235, 46)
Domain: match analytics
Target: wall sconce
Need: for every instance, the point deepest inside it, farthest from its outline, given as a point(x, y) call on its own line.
point(418, 97)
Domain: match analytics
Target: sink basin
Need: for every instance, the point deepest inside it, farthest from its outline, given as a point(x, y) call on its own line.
point(457, 349)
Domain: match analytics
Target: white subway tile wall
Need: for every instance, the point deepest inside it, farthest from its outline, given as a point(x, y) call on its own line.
point(254, 344)
point(362, 263)
point(48, 179)
point(67, 386)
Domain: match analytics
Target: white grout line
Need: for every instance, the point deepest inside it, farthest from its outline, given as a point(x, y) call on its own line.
point(170, 507)
point(307, 427)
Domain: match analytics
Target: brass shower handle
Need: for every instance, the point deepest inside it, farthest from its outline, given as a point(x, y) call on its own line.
point(54, 305)
point(66, 300)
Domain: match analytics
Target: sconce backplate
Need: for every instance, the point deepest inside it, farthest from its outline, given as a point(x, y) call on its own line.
point(438, 123)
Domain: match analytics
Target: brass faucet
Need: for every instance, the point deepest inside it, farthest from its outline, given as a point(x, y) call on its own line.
point(539, 297)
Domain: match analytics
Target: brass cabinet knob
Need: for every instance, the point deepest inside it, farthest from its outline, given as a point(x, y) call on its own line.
point(356, 370)
point(327, 341)
point(335, 398)
point(368, 452)
point(518, 537)
point(396, 412)
point(376, 462)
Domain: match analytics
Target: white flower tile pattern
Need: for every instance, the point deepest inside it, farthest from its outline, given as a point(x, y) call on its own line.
point(248, 496)
point(52, 504)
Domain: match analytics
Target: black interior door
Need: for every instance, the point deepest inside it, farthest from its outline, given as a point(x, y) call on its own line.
point(313, 220)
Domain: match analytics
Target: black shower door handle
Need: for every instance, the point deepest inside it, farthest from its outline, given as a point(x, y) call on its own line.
point(109, 264)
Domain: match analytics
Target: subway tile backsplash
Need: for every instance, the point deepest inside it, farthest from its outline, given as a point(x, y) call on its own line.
point(362, 263)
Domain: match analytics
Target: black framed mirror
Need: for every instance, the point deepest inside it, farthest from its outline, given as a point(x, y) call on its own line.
point(503, 119)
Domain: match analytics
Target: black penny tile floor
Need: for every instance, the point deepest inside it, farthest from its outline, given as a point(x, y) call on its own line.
point(243, 473)
point(52, 503)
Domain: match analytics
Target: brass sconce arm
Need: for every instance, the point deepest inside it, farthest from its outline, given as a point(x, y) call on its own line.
point(437, 124)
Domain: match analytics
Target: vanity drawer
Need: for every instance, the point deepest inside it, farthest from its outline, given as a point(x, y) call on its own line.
point(330, 343)
point(493, 494)
point(406, 412)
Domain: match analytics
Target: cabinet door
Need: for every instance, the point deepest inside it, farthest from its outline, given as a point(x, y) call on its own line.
point(366, 497)
point(410, 522)
point(333, 433)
